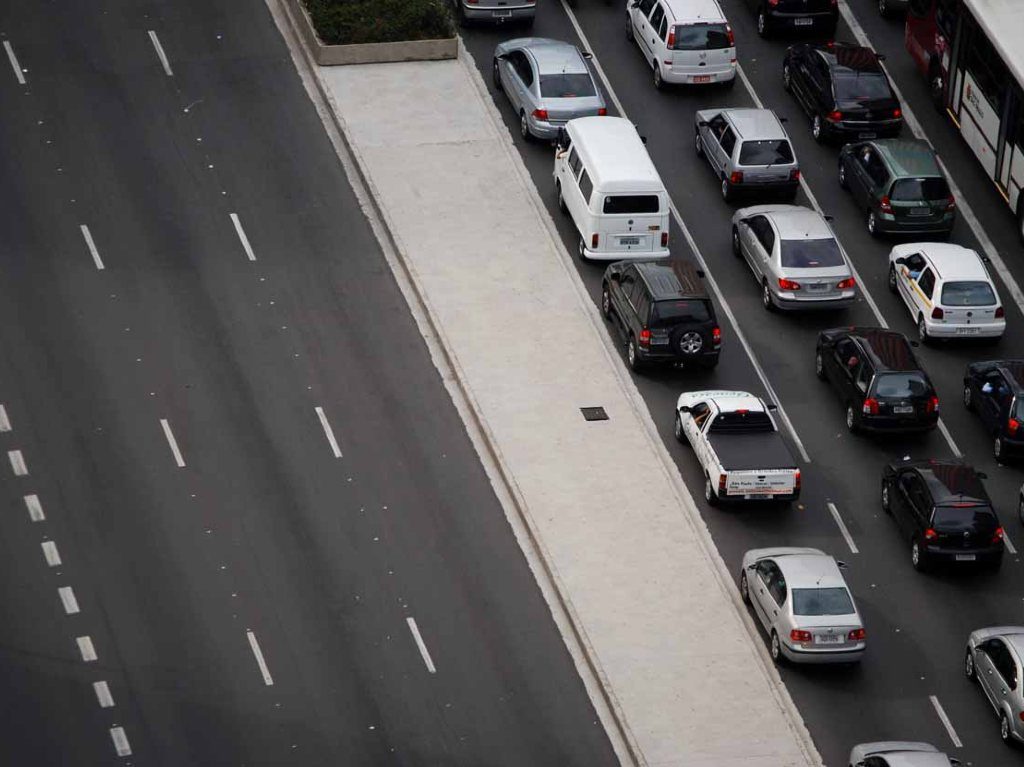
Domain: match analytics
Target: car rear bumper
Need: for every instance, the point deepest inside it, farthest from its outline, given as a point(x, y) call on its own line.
point(788, 302)
point(798, 655)
point(956, 330)
point(891, 424)
point(664, 357)
point(741, 498)
point(721, 75)
point(857, 131)
point(498, 15)
point(623, 255)
point(766, 187)
point(779, 20)
point(886, 223)
point(986, 555)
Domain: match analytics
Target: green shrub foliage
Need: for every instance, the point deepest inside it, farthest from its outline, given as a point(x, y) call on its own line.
point(340, 22)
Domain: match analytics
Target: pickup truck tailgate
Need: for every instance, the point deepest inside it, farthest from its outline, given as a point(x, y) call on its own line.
point(760, 483)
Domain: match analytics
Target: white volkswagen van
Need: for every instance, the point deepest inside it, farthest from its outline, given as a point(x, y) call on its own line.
point(606, 181)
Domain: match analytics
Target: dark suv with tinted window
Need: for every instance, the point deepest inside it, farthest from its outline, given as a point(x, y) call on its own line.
point(877, 376)
point(995, 391)
point(942, 508)
point(663, 311)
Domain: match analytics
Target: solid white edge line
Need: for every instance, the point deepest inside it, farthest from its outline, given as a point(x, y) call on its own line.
point(842, 527)
point(421, 645)
point(242, 237)
point(85, 647)
point(328, 431)
point(160, 53)
point(267, 679)
point(178, 459)
point(121, 745)
point(87, 235)
point(5, 422)
point(35, 508)
point(67, 598)
point(966, 211)
point(17, 463)
point(51, 554)
point(103, 696)
point(1009, 544)
point(14, 62)
point(698, 255)
point(945, 721)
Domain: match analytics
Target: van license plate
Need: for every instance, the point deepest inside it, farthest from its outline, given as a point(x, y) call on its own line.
point(702, 78)
point(965, 557)
point(629, 241)
point(756, 496)
point(968, 331)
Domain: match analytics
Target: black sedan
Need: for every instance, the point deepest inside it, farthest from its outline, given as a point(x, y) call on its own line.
point(994, 389)
point(843, 89)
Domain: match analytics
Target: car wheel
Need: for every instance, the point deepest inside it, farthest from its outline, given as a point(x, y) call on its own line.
point(787, 77)
point(819, 365)
point(1020, 509)
point(524, 127)
point(629, 29)
point(762, 23)
point(872, 223)
point(842, 175)
point(730, 83)
point(892, 279)
point(496, 76)
point(917, 556)
point(1004, 729)
point(886, 503)
point(658, 82)
point(775, 648)
point(922, 330)
point(709, 492)
point(969, 670)
point(581, 249)
point(998, 448)
point(698, 145)
point(678, 428)
point(744, 588)
point(633, 356)
point(766, 297)
point(883, 8)
point(561, 200)
point(727, 193)
point(818, 129)
point(736, 242)
point(968, 398)
point(606, 302)
point(851, 419)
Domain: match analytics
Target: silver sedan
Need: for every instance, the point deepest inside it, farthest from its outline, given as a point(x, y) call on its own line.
point(794, 256)
point(802, 600)
point(899, 753)
point(548, 83)
point(993, 659)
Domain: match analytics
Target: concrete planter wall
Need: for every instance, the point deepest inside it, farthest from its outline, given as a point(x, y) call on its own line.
point(368, 53)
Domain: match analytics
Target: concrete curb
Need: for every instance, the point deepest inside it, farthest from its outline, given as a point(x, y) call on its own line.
point(365, 53)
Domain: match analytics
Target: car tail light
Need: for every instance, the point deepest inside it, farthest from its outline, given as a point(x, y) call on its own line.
point(716, 336)
point(998, 535)
point(472, 2)
point(785, 284)
point(930, 535)
point(594, 239)
point(933, 405)
point(897, 114)
point(602, 112)
point(671, 42)
point(1000, 313)
point(870, 406)
point(846, 284)
point(799, 635)
point(664, 239)
point(857, 635)
point(794, 175)
point(937, 313)
point(796, 480)
point(732, 37)
point(885, 204)
point(835, 116)
point(1011, 427)
point(1021, 715)
point(951, 203)
point(773, 3)
point(721, 484)
point(736, 177)
point(645, 337)
point(540, 114)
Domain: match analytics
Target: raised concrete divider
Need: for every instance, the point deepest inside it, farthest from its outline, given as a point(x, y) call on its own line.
point(681, 672)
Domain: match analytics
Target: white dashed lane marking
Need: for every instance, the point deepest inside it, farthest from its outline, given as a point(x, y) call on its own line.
point(51, 554)
point(178, 459)
point(87, 236)
point(260, 661)
point(103, 696)
point(87, 649)
point(67, 598)
point(17, 463)
point(121, 745)
point(329, 432)
point(5, 422)
point(241, 236)
point(35, 509)
point(945, 721)
point(14, 62)
point(421, 645)
point(842, 527)
point(160, 53)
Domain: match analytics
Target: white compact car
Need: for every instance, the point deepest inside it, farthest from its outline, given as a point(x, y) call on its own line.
point(947, 290)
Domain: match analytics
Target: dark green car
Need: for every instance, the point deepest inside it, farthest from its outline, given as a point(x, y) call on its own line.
point(899, 186)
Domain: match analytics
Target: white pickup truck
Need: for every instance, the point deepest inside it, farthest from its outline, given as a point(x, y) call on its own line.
point(738, 445)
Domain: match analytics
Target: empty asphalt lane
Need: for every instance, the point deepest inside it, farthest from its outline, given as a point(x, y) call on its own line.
point(264, 529)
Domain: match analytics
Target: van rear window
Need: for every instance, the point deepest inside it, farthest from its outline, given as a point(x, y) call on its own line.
point(701, 37)
point(631, 203)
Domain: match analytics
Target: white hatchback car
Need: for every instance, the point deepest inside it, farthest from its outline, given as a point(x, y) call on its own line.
point(947, 290)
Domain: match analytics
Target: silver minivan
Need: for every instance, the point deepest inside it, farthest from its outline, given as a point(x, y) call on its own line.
point(749, 151)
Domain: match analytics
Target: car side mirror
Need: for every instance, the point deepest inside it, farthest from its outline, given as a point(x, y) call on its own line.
point(701, 274)
point(841, 564)
point(955, 762)
point(981, 475)
point(915, 344)
point(783, 119)
point(881, 56)
point(752, 567)
point(986, 260)
point(772, 407)
point(901, 261)
point(560, 140)
point(643, 140)
point(615, 277)
point(828, 217)
point(636, 4)
point(587, 55)
point(702, 123)
point(684, 409)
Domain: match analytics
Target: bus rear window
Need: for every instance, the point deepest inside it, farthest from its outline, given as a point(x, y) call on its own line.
point(632, 203)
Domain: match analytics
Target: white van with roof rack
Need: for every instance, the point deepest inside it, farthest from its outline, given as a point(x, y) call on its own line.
point(605, 180)
point(684, 41)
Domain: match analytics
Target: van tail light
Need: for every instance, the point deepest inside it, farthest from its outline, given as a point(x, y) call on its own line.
point(835, 116)
point(796, 481)
point(937, 313)
point(671, 42)
point(594, 239)
point(870, 406)
point(785, 284)
point(857, 635)
point(1000, 313)
point(998, 535)
point(736, 177)
point(645, 338)
point(664, 239)
point(716, 336)
point(897, 114)
point(602, 112)
point(540, 114)
point(885, 204)
point(794, 175)
point(732, 37)
point(950, 203)
point(846, 284)
point(933, 405)
point(721, 484)
point(799, 635)
point(1012, 426)
point(930, 534)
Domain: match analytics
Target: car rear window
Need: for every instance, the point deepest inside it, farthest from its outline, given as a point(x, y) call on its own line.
point(862, 86)
point(920, 189)
point(900, 385)
point(742, 422)
point(833, 601)
point(566, 86)
point(810, 254)
point(968, 293)
point(676, 310)
point(770, 152)
point(701, 37)
point(954, 518)
point(631, 203)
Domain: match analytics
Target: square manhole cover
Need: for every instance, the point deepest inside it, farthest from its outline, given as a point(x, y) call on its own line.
point(594, 413)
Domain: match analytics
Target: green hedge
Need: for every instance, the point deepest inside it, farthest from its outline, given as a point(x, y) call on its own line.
point(339, 22)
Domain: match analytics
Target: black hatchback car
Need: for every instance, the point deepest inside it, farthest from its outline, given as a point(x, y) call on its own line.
point(943, 510)
point(817, 16)
point(878, 378)
point(995, 391)
point(663, 311)
point(844, 90)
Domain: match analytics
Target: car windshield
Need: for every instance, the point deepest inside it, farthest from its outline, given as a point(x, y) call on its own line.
point(566, 86)
point(670, 312)
point(955, 518)
point(631, 203)
point(834, 601)
point(862, 86)
point(919, 189)
point(701, 37)
point(770, 152)
point(972, 293)
point(900, 385)
point(810, 254)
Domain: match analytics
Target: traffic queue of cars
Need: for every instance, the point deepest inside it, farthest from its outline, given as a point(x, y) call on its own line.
point(605, 181)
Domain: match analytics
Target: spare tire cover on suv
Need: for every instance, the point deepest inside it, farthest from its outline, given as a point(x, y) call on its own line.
point(687, 341)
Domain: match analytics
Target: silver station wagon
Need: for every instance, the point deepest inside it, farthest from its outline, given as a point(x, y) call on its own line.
point(495, 11)
point(899, 753)
point(800, 597)
point(748, 150)
point(993, 660)
point(548, 83)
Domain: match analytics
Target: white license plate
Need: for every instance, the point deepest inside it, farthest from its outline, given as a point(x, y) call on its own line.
point(828, 639)
point(629, 241)
point(866, 135)
point(757, 496)
point(802, 22)
point(920, 211)
point(903, 409)
point(702, 78)
point(501, 14)
point(968, 331)
point(818, 288)
point(965, 557)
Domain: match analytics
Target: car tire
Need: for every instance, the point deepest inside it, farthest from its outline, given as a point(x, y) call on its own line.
point(659, 83)
point(633, 356)
point(736, 249)
point(819, 365)
point(968, 398)
point(496, 77)
point(884, 497)
point(727, 191)
point(630, 35)
point(677, 428)
point(918, 557)
point(775, 649)
point(762, 23)
point(744, 588)
point(1005, 733)
point(883, 9)
point(606, 302)
point(871, 223)
point(818, 129)
point(561, 200)
point(730, 83)
point(999, 449)
point(842, 176)
point(969, 670)
point(581, 250)
point(766, 297)
point(524, 126)
point(1020, 509)
point(709, 492)
point(698, 145)
point(1020, 219)
point(922, 330)
point(851, 419)
point(787, 77)
point(893, 287)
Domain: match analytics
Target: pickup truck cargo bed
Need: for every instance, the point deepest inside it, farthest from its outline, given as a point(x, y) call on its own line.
point(750, 451)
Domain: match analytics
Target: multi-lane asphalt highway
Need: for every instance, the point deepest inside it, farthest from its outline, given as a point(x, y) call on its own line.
point(244, 524)
point(917, 624)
